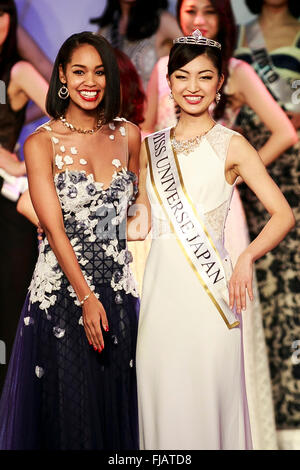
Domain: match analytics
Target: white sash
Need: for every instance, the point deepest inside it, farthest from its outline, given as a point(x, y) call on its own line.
point(280, 88)
point(191, 234)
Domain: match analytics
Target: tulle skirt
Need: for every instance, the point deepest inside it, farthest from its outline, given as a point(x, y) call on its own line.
point(61, 394)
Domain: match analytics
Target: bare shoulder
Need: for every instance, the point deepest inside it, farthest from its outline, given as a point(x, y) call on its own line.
point(240, 150)
point(134, 133)
point(38, 144)
point(238, 142)
point(168, 25)
point(241, 70)
point(166, 17)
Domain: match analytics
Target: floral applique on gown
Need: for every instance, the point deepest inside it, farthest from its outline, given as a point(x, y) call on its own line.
point(60, 393)
point(191, 384)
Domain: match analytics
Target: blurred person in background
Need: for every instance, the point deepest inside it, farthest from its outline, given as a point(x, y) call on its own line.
point(271, 44)
point(18, 244)
point(241, 85)
point(143, 30)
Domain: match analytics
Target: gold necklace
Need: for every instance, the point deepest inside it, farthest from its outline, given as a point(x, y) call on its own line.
point(78, 129)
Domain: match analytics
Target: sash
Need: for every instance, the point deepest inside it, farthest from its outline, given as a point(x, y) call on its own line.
point(191, 234)
point(280, 88)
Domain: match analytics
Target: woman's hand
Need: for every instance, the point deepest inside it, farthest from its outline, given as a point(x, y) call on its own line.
point(240, 282)
point(40, 232)
point(10, 163)
point(93, 315)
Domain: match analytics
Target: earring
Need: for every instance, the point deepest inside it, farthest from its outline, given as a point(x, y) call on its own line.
point(218, 97)
point(63, 92)
point(171, 97)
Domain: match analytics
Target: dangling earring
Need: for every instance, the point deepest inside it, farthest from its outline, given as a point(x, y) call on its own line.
point(218, 97)
point(171, 97)
point(63, 92)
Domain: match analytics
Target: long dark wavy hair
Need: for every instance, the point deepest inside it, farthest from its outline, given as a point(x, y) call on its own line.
point(143, 17)
point(255, 6)
point(9, 53)
point(110, 105)
point(132, 93)
point(227, 36)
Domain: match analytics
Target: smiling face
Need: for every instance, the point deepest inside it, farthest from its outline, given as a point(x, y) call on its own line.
point(4, 27)
point(84, 77)
point(194, 85)
point(199, 14)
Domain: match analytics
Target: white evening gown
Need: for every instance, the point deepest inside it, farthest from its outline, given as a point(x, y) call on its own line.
point(258, 382)
point(191, 388)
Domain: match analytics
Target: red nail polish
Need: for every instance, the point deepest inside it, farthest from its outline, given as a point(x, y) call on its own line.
point(106, 328)
point(95, 348)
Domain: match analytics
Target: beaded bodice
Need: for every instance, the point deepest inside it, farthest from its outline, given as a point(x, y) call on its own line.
point(202, 162)
point(94, 211)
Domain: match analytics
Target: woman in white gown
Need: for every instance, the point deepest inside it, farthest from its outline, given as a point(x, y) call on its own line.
point(191, 388)
point(242, 86)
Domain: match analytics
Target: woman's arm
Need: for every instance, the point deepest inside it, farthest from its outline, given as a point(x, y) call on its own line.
point(148, 125)
point(38, 157)
point(134, 147)
point(251, 91)
point(25, 207)
point(244, 161)
point(139, 223)
point(25, 84)
point(29, 50)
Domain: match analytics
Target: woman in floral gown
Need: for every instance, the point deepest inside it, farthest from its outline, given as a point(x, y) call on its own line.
point(71, 382)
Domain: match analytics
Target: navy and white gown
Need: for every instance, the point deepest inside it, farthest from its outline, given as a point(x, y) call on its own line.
point(59, 393)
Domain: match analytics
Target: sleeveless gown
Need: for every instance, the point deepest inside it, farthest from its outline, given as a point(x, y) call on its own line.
point(191, 388)
point(60, 393)
point(142, 52)
point(278, 272)
point(236, 238)
point(18, 240)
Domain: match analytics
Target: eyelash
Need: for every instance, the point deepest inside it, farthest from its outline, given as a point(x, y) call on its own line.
point(208, 12)
point(80, 72)
point(204, 77)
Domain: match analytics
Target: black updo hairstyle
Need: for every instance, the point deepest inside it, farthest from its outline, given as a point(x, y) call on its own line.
point(227, 38)
point(182, 54)
point(110, 105)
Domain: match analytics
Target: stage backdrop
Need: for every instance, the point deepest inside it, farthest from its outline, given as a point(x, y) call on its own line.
point(51, 22)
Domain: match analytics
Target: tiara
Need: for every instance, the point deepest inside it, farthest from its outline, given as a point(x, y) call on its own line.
point(197, 38)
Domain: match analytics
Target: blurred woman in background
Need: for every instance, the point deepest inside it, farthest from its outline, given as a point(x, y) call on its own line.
point(18, 245)
point(271, 44)
point(143, 30)
point(241, 85)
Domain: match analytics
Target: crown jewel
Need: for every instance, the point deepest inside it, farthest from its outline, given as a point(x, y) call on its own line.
point(197, 38)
